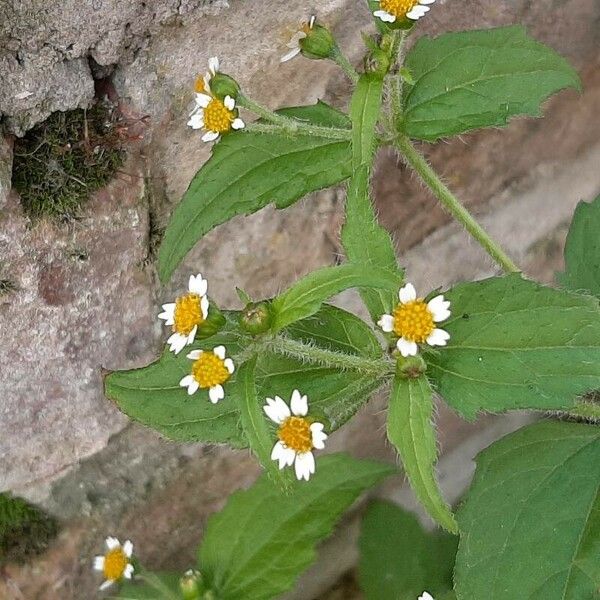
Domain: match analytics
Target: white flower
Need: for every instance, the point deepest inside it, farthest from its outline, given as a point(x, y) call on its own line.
point(210, 371)
point(115, 562)
point(186, 313)
point(298, 436)
point(391, 10)
point(202, 84)
point(425, 596)
point(414, 321)
point(294, 43)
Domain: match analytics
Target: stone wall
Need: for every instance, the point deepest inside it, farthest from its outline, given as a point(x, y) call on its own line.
point(68, 318)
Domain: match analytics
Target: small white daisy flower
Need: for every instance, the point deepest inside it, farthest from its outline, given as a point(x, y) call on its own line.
point(210, 371)
point(294, 43)
point(392, 10)
point(186, 313)
point(202, 83)
point(115, 563)
point(298, 435)
point(414, 321)
point(425, 596)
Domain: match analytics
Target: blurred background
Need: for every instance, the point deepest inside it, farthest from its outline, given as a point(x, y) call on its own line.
point(94, 155)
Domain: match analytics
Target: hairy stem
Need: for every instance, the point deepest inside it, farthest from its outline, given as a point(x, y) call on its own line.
point(329, 358)
point(585, 409)
point(452, 204)
point(395, 81)
point(293, 126)
point(338, 57)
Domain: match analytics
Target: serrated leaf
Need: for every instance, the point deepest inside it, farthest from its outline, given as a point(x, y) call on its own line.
point(306, 296)
point(530, 526)
point(473, 79)
point(399, 559)
point(258, 545)
point(411, 431)
point(165, 586)
point(517, 344)
point(582, 251)
point(247, 171)
point(152, 395)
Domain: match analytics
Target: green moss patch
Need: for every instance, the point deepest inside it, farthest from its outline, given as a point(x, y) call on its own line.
point(61, 161)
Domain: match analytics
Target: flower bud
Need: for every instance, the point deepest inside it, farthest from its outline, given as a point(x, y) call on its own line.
point(410, 367)
point(190, 585)
point(256, 318)
point(318, 42)
point(222, 85)
point(213, 323)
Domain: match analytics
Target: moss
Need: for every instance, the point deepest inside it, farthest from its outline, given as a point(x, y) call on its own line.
point(24, 530)
point(60, 162)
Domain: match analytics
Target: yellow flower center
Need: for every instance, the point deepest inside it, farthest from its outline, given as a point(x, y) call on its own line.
point(199, 85)
point(115, 563)
point(398, 8)
point(210, 370)
point(188, 314)
point(295, 433)
point(217, 117)
point(413, 321)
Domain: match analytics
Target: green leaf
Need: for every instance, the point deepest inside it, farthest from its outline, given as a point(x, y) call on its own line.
point(258, 545)
point(410, 429)
point(306, 296)
point(530, 526)
point(164, 586)
point(475, 79)
point(517, 344)
point(247, 171)
point(399, 560)
point(582, 251)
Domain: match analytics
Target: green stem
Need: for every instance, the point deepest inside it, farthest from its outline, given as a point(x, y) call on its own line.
point(288, 124)
point(338, 57)
point(452, 204)
point(584, 409)
point(329, 358)
point(396, 79)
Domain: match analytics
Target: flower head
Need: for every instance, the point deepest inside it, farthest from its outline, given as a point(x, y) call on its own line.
point(115, 562)
point(391, 11)
point(209, 372)
point(186, 313)
point(298, 435)
point(413, 321)
point(294, 43)
point(202, 83)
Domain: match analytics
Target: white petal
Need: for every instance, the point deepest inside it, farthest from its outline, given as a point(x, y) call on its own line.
point(425, 596)
point(407, 348)
point(277, 410)
point(219, 351)
point(99, 563)
point(204, 306)
point(438, 337)
point(229, 365)
point(238, 124)
point(304, 465)
point(318, 435)
point(112, 543)
point(407, 293)
point(213, 64)
point(128, 571)
point(384, 16)
point(417, 12)
point(192, 335)
point(291, 54)
point(195, 355)
point(299, 404)
point(312, 20)
point(197, 285)
point(177, 342)
point(284, 455)
point(203, 100)
point(106, 584)
point(128, 548)
point(196, 121)
point(167, 317)
point(193, 387)
point(187, 380)
point(439, 308)
point(426, 1)
point(386, 323)
point(229, 102)
point(210, 136)
point(216, 393)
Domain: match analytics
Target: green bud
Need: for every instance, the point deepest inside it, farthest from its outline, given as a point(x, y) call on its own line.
point(410, 367)
point(256, 318)
point(318, 43)
point(222, 85)
point(214, 322)
point(406, 76)
point(190, 585)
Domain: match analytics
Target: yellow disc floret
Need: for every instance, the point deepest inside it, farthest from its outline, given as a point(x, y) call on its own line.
point(210, 370)
point(217, 117)
point(398, 8)
point(187, 314)
point(413, 321)
point(295, 433)
point(115, 563)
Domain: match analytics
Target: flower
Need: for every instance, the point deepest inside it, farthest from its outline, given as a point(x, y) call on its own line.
point(186, 313)
point(425, 596)
point(115, 563)
point(392, 10)
point(210, 371)
point(414, 321)
point(202, 83)
point(294, 43)
point(298, 435)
